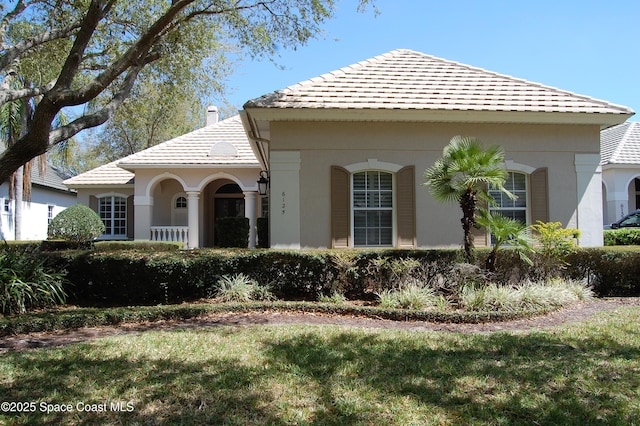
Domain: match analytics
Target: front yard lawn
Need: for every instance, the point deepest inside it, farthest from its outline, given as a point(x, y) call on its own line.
point(579, 374)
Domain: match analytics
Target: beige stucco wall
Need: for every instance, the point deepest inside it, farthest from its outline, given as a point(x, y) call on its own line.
point(343, 143)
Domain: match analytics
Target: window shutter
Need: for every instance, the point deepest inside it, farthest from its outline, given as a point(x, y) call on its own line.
point(93, 203)
point(340, 207)
point(539, 195)
point(130, 210)
point(406, 207)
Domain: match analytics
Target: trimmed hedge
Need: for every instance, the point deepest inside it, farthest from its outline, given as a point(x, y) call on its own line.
point(66, 319)
point(622, 237)
point(137, 277)
point(232, 232)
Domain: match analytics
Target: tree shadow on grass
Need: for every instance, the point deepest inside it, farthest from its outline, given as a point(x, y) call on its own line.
point(483, 379)
point(333, 376)
point(168, 391)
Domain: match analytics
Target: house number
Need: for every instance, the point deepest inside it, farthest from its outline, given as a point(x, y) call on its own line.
point(284, 204)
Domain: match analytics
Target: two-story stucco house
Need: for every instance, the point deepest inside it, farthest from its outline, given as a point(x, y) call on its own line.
point(345, 154)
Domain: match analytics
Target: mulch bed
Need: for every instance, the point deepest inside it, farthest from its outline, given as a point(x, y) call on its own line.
point(575, 313)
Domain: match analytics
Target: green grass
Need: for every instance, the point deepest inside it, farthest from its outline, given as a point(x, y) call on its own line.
point(328, 375)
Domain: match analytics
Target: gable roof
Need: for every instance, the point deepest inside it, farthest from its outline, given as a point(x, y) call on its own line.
point(197, 148)
point(407, 80)
point(223, 144)
point(620, 144)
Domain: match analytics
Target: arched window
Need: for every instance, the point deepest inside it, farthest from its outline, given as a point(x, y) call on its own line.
point(181, 203)
point(516, 183)
point(372, 209)
point(113, 212)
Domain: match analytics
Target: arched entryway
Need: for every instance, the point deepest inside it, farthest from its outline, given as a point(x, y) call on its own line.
point(221, 198)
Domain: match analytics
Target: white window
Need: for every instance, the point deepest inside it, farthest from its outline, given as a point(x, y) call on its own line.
point(372, 209)
point(516, 183)
point(49, 214)
point(6, 206)
point(113, 212)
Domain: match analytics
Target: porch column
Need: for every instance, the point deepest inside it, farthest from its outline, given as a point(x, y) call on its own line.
point(284, 204)
point(589, 186)
point(250, 212)
point(143, 212)
point(193, 209)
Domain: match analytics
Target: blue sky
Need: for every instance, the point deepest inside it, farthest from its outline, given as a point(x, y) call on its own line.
point(589, 47)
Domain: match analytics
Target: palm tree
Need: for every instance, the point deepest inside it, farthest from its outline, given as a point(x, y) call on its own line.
point(505, 230)
point(463, 175)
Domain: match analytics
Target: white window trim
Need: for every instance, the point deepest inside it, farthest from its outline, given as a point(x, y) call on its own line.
point(113, 195)
point(394, 204)
point(527, 188)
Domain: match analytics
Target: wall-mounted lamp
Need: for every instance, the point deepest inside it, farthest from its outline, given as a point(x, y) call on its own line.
point(263, 182)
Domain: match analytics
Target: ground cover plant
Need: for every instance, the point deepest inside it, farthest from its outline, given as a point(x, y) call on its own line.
point(576, 374)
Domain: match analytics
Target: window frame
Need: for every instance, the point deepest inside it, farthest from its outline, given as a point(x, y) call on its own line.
point(527, 198)
point(392, 209)
point(112, 227)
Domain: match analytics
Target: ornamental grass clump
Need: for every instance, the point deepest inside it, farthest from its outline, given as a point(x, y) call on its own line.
point(411, 295)
point(26, 283)
point(529, 295)
point(241, 288)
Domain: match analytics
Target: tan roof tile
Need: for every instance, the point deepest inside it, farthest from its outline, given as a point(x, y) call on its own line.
point(405, 79)
point(194, 148)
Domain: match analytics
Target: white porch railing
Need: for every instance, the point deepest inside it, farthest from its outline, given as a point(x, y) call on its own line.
point(178, 234)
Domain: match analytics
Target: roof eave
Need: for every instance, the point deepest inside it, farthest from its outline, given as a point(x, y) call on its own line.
point(134, 166)
point(603, 120)
point(100, 185)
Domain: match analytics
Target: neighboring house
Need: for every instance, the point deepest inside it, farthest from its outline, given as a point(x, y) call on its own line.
point(49, 196)
point(345, 154)
point(620, 147)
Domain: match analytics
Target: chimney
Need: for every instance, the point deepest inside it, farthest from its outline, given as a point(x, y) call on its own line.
point(212, 115)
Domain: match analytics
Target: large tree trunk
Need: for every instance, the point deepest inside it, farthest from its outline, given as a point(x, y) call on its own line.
point(468, 204)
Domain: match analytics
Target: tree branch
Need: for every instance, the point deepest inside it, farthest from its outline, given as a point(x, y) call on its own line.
point(14, 52)
point(99, 117)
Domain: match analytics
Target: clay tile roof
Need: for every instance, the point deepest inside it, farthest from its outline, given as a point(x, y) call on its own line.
point(195, 148)
point(191, 149)
point(405, 79)
point(620, 144)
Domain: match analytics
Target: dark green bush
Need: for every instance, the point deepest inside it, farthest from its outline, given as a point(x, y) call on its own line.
point(622, 237)
point(78, 224)
point(232, 232)
point(136, 277)
point(262, 225)
point(611, 272)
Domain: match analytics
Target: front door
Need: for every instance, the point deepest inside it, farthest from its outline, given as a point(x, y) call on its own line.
point(228, 202)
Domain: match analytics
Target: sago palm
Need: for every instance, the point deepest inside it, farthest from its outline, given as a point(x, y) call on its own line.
point(505, 231)
point(463, 175)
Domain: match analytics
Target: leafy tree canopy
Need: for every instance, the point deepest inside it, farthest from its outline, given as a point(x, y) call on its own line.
point(87, 54)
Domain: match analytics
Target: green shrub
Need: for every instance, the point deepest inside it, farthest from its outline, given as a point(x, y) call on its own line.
point(144, 277)
point(78, 224)
point(555, 243)
point(232, 232)
point(622, 237)
point(26, 283)
point(262, 225)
